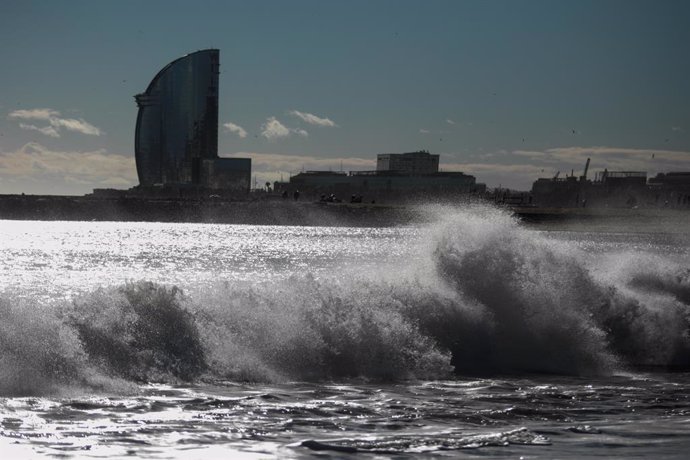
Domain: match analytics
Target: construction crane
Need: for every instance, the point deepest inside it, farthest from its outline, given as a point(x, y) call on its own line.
point(584, 174)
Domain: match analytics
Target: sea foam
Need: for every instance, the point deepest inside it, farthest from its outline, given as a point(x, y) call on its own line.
point(478, 294)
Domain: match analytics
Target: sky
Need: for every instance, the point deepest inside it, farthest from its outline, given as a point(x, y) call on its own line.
point(508, 91)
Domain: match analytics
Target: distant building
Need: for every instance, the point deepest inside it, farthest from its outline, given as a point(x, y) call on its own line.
point(622, 179)
point(176, 139)
point(558, 192)
point(614, 189)
point(671, 180)
point(421, 162)
point(609, 189)
point(395, 182)
point(671, 189)
point(320, 181)
point(415, 176)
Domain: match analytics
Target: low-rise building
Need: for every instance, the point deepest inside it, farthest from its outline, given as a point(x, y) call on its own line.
point(614, 189)
point(671, 189)
point(398, 177)
point(421, 162)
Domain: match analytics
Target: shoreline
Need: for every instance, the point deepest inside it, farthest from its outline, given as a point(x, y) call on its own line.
point(289, 212)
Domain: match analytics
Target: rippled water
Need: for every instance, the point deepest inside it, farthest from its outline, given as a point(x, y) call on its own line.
point(543, 417)
point(472, 336)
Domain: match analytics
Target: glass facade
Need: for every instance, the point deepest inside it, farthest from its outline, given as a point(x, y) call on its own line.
point(177, 124)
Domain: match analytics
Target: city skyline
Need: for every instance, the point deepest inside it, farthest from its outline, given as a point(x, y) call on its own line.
point(505, 91)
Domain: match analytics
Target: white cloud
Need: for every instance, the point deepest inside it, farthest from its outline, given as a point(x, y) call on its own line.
point(449, 121)
point(34, 114)
point(300, 132)
point(77, 126)
point(313, 119)
point(35, 169)
point(273, 129)
point(56, 123)
point(233, 128)
point(47, 130)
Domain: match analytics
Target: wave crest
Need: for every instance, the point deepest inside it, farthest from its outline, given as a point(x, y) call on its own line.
point(548, 309)
point(483, 295)
point(140, 331)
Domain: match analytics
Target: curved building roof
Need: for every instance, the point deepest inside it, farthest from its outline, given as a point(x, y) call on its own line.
point(177, 123)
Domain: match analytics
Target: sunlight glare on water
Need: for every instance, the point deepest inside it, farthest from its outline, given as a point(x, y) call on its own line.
point(65, 257)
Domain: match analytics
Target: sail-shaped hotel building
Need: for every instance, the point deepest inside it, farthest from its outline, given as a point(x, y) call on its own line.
point(176, 139)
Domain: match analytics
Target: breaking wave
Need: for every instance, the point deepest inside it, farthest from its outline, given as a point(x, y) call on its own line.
point(485, 295)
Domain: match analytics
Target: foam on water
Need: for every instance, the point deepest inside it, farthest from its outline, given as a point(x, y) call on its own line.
point(481, 295)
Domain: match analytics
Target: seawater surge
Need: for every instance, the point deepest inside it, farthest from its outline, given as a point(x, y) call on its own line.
point(473, 293)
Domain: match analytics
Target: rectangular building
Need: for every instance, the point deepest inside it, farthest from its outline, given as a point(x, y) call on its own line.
point(421, 162)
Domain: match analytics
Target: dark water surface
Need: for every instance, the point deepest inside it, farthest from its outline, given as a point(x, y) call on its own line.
point(533, 417)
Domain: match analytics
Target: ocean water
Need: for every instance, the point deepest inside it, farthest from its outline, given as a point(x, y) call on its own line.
point(472, 336)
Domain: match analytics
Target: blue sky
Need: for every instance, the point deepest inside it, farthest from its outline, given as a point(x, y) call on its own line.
point(505, 90)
